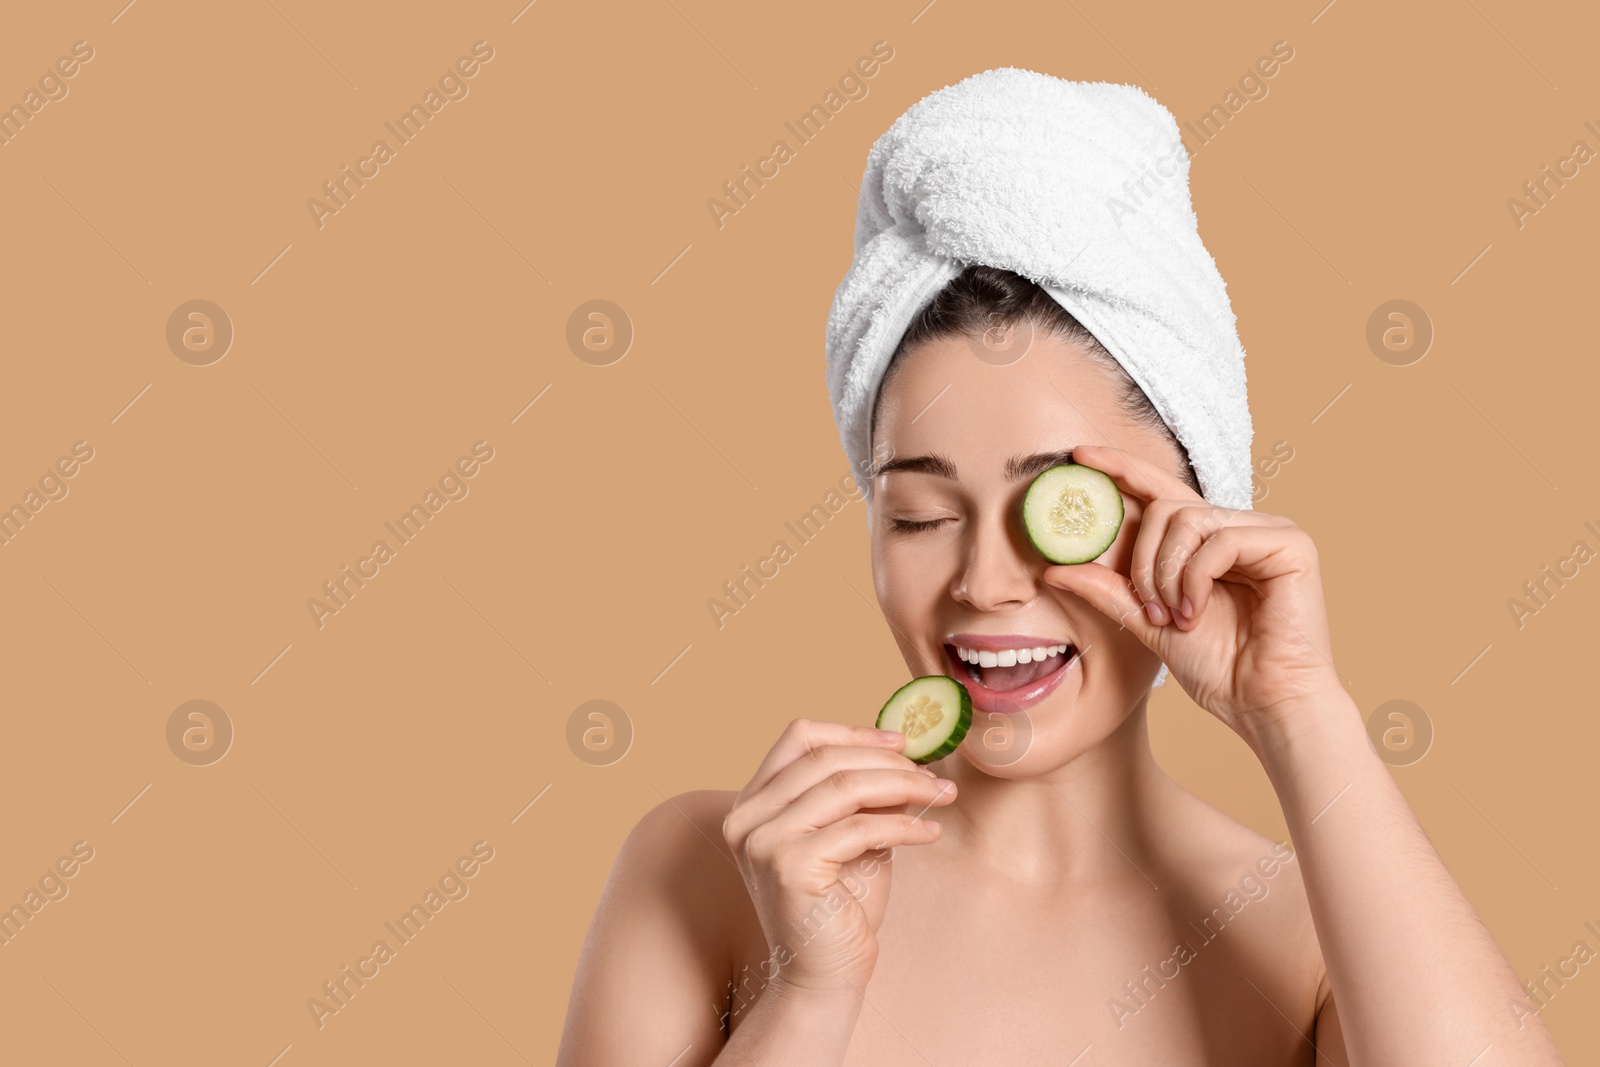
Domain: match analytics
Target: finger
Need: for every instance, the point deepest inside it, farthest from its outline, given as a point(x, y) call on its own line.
point(806, 771)
point(1112, 594)
point(1187, 529)
point(847, 792)
point(1152, 531)
point(1169, 535)
point(1139, 476)
point(1258, 553)
point(806, 735)
point(848, 838)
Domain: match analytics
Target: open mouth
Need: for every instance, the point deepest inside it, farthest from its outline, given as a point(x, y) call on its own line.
point(1011, 672)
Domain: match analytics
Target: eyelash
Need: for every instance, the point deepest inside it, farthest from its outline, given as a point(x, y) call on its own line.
point(912, 526)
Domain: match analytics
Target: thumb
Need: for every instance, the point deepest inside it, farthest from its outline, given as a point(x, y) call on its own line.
point(1112, 594)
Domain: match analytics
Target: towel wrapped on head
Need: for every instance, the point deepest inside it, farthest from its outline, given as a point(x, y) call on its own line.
point(1082, 187)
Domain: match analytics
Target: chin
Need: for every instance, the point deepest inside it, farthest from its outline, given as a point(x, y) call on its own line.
point(1021, 745)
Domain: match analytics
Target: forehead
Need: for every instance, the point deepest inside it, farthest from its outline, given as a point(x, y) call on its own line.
point(945, 396)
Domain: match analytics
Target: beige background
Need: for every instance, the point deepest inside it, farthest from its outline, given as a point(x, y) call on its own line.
point(426, 315)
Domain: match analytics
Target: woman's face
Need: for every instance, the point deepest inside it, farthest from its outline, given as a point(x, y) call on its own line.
point(953, 566)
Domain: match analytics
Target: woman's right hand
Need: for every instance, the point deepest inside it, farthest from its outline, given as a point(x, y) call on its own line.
point(826, 802)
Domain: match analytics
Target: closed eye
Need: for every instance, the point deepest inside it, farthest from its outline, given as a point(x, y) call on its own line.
point(915, 525)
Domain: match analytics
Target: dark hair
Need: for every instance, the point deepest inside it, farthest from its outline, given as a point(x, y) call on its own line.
point(982, 298)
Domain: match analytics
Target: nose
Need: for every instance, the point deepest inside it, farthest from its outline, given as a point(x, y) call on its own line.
point(995, 571)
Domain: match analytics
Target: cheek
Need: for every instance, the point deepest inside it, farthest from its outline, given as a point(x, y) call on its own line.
point(907, 576)
point(911, 578)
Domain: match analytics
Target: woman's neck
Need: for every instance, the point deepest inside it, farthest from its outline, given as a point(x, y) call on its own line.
point(1091, 818)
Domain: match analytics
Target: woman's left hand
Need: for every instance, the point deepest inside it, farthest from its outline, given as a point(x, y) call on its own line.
point(1252, 639)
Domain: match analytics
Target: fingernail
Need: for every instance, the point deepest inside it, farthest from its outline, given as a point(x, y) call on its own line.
point(889, 735)
point(1153, 609)
point(1188, 608)
point(929, 773)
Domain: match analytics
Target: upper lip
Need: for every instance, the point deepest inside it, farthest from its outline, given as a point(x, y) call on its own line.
point(997, 642)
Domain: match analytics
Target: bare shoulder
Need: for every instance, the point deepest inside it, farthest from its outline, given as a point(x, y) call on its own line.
point(698, 812)
point(660, 945)
point(679, 844)
point(1230, 875)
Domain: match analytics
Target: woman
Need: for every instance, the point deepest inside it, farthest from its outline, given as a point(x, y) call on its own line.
point(1056, 897)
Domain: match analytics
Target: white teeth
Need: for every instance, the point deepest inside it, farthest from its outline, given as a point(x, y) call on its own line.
point(1009, 657)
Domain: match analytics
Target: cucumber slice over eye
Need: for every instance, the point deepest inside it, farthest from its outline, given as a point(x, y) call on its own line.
point(1072, 513)
point(934, 712)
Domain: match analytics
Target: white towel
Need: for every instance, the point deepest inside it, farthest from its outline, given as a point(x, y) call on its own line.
point(1082, 187)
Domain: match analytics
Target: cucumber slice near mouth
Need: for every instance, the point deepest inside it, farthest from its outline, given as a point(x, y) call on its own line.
point(1072, 513)
point(934, 712)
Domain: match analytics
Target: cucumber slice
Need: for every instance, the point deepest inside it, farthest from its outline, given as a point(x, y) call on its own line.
point(1072, 513)
point(934, 712)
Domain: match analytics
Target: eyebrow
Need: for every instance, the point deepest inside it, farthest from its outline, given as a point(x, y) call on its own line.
point(1016, 469)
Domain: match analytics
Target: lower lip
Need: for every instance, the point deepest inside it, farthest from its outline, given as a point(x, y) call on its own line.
point(1008, 702)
